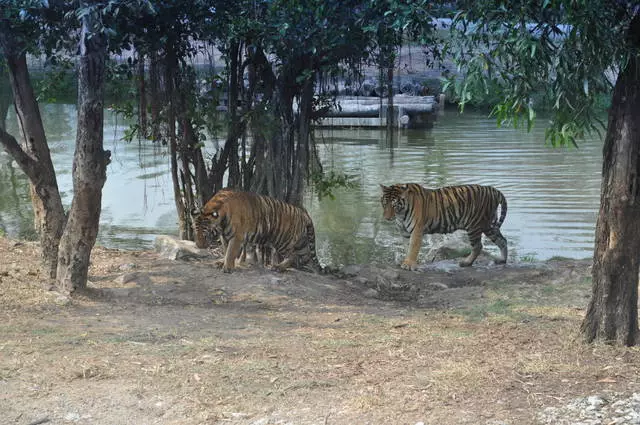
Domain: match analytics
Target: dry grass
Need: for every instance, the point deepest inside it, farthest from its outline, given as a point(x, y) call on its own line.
point(271, 356)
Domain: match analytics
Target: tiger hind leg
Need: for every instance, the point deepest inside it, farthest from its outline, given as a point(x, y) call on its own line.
point(475, 239)
point(496, 237)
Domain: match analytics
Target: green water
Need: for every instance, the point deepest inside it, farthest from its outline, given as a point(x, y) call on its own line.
point(553, 194)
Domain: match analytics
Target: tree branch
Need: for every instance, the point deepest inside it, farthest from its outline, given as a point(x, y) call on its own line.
point(27, 163)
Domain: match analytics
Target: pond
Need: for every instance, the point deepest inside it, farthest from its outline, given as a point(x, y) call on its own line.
point(553, 194)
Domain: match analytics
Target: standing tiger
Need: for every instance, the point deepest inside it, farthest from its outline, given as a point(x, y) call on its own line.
point(247, 220)
point(418, 210)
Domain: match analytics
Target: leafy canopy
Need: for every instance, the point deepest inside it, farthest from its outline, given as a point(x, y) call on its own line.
point(567, 50)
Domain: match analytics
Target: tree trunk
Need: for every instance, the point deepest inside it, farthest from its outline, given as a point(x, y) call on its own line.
point(89, 163)
point(170, 69)
point(33, 157)
point(612, 315)
point(235, 129)
point(301, 163)
point(390, 112)
point(6, 98)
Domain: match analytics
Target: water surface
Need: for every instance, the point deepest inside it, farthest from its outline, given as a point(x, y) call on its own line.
point(553, 194)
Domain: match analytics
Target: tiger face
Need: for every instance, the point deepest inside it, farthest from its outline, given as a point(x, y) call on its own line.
point(209, 220)
point(393, 200)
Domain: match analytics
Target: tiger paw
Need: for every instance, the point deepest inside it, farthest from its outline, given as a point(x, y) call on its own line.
point(409, 265)
point(218, 263)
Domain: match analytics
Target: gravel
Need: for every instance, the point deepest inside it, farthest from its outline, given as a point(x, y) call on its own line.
point(612, 409)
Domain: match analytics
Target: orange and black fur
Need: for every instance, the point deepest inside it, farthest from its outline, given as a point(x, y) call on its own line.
point(418, 211)
point(246, 220)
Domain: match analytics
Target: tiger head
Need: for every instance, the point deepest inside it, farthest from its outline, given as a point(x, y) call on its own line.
point(209, 220)
point(394, 200)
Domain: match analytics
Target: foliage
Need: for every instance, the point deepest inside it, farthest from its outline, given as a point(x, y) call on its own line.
point(56, 82)
point(325, 183)
point(568, 50)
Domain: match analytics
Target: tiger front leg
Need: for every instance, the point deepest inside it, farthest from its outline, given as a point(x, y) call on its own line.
point(411, 262)
point(233, 251)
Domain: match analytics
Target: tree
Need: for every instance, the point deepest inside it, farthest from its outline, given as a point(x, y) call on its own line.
point(25, 25)
point(285, 49)
point(566, 54)
point(33, 156)
point(89, 160)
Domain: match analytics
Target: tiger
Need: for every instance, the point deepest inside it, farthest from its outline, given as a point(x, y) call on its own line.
point(246, 221)
point(418, 210)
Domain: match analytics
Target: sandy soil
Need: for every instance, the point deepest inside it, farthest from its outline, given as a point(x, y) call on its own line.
point(155, 341)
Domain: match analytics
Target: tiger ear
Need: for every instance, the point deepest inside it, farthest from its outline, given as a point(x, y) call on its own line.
point(383, 187)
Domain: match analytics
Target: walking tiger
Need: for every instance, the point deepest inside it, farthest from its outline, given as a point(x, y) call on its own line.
point(418, 211)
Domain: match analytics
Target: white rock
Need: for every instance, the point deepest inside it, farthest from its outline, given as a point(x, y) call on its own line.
point(173, 248)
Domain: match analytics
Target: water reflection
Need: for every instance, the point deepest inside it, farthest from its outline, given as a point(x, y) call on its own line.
point(553, 194)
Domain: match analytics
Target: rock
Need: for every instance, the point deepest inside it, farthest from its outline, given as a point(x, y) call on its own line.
point(595, 409)
point(62, 300)
point(72, 417)
point(135, 277)
point(449, 246)
point(391, 274)
point(370, 293)
point(173, 248)
point(352, 270)
point(127, 267)
point(394, 289)
point(595, 401)
point(361, 280)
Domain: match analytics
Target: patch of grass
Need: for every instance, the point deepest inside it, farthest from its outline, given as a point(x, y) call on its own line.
point(501, 309)
point(528, 258)
point(560, 258)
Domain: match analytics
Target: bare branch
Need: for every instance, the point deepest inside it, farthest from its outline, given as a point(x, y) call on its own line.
point(27, 163)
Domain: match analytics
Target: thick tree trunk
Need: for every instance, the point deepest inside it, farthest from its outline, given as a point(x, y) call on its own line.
point(89, 163)
point(34, 157)
point(612, 315)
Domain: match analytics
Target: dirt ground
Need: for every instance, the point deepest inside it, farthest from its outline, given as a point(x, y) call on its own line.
point(155, 341)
